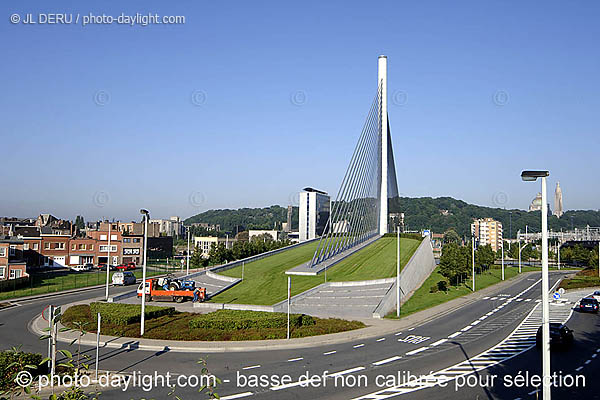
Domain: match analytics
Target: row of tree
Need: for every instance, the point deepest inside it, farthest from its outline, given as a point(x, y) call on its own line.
point(218, 253)
point(456, 261)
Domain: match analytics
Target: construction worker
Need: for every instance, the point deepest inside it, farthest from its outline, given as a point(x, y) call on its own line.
point(196, 295)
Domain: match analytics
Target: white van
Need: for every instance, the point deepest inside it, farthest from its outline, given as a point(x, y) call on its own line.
point(123, 278)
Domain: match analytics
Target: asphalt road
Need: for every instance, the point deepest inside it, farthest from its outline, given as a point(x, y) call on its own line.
point(432, 346)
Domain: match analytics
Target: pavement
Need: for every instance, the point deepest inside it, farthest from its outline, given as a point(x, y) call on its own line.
point(433, 340)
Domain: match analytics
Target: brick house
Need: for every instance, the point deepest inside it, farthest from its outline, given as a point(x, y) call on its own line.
point(133, 249)
point(55, 249)
point(12, 262)
point(101, 238)
point(83, 251)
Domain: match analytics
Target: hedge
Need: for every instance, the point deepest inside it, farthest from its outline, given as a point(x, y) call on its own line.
point(7, 375)
point(125, 314)
point(239, 319)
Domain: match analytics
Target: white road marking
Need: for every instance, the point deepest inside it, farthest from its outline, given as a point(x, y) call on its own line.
point(533, 392)
point(295, 359)
point(387, 360)
point(466, 328)
point(526, 300)
point(410, 329)
point(381, 339)
point(587, 362)
point(486, 297)
point(358, 345)
point(594, 355)
point(252, 367)
point(578, 369)
point(399, 333)
point(455, 334)
point(330, 352)
point(236, 396)
point(438, 342)
point(420, 349)
point(347, 371)
point(475, 322)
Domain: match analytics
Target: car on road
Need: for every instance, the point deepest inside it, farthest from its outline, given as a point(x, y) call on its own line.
point(560, 335)
point(125, 267)
point(596, 295)
point(588, 304)
point(102, 267)
point(123, 278)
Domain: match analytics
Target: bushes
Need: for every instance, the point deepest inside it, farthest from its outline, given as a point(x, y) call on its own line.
point(125, 314)
point(13, 361)
point(237, 320)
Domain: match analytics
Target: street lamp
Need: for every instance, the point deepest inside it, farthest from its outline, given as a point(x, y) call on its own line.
point(146, 215)
point(531, 176)
point(188, 251)
point(473, 258)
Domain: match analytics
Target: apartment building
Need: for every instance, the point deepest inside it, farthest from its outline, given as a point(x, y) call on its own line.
point(487, 231)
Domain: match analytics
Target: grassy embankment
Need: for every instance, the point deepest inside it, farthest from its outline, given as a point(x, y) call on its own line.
point(585, 278)
point(123, 320)
point(265, 281)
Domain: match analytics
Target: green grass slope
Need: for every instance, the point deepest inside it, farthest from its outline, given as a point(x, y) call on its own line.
point(265, 281)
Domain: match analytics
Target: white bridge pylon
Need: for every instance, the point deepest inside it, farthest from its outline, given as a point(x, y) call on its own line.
point(360, 211)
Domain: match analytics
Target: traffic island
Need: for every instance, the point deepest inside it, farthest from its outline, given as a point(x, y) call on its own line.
point(166, 323)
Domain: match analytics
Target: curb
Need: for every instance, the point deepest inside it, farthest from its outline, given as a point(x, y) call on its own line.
point(376, 328)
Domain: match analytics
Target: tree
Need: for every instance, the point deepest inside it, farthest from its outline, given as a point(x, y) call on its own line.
point(450, 236)
point(79, 222)
point(452, 262)
point(196, 260)
point(484, 256)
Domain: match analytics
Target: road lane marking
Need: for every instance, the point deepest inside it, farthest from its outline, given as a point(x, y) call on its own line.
point(587, 362)
point(533, 392)
point(486, 297)
point(381, 340)
point(578, 369)
point(236, 396)
point(420, 349)
point(295, 359)
point(358, 345)
point(455, 334)
point(438, 342)
point(410, 329)
point(594, 355)
point(387, 360)
point(346, 371)
point(252, 367)
point(399, 333)
point(466, 328)
point(330, 352)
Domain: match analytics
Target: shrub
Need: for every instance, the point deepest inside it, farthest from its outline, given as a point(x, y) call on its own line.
point(13, 361)
point(442, 286)
point(238, 319)
point(125, 314)
point(433, 289)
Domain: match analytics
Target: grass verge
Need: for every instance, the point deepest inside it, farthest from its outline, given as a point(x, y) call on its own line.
point(51, 282)
point(585, 278)
point(265, 281)
point(423, 299)
point(209, 327)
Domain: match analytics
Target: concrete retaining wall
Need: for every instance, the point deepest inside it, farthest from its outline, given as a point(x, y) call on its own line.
point(223, 306)
point(211, 274)
point(416, 271)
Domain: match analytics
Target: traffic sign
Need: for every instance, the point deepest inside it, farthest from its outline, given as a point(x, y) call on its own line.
point(561, 291)
point(556, 296)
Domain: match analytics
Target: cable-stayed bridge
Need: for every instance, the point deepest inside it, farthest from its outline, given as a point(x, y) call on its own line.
point(359, 214)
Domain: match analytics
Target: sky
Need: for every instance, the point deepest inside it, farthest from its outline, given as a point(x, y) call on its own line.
point(246, 103)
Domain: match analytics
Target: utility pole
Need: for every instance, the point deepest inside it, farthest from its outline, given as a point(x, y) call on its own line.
point(188, 251)
point(108, 262)
point(146, 214)
point(502, 259)
point(473, 258)
point(289, 287)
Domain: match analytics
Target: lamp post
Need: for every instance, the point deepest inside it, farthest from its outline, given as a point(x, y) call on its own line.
point(146, 215)
point(473, 258)
point(108, 261)
point(502, 243)
point(398, 277)
point(188, 252)
point(531, 176)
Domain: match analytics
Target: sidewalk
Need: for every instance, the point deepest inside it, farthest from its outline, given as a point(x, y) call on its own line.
point(376, 327)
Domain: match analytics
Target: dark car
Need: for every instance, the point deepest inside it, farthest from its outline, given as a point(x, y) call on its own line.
point(588, 304)
point(560, 335)
point(102, 267)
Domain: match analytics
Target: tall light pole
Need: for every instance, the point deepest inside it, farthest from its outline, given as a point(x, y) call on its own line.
point(398, 277)
point(473, 258)
point(188, 252)
point(532, 176)
point(108, 261)
point(502, 259)
point(146, 215)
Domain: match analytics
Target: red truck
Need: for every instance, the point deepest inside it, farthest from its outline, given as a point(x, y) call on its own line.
point(155, 290)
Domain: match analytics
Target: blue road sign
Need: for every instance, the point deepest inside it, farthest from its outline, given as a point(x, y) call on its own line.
point(556, 296)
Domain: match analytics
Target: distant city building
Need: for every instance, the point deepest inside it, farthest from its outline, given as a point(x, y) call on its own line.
point(207, 226)
point(558, 201)
point(170, 227)
point(288, 223)
point(258, 232)
point(315, 207)
point(487, 231)
point(205, 243)
point(536, 203)
point(341, 227)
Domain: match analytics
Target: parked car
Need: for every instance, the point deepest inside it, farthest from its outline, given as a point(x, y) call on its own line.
point(588, 304)
point(560, 335)
point(123, 278)
point(131, 265)
point(102, 267)
point(89, 266)
point(79, 268)
point(596, 295)
point(125, 267)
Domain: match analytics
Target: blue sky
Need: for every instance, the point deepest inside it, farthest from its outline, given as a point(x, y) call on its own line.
point(248, 144)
